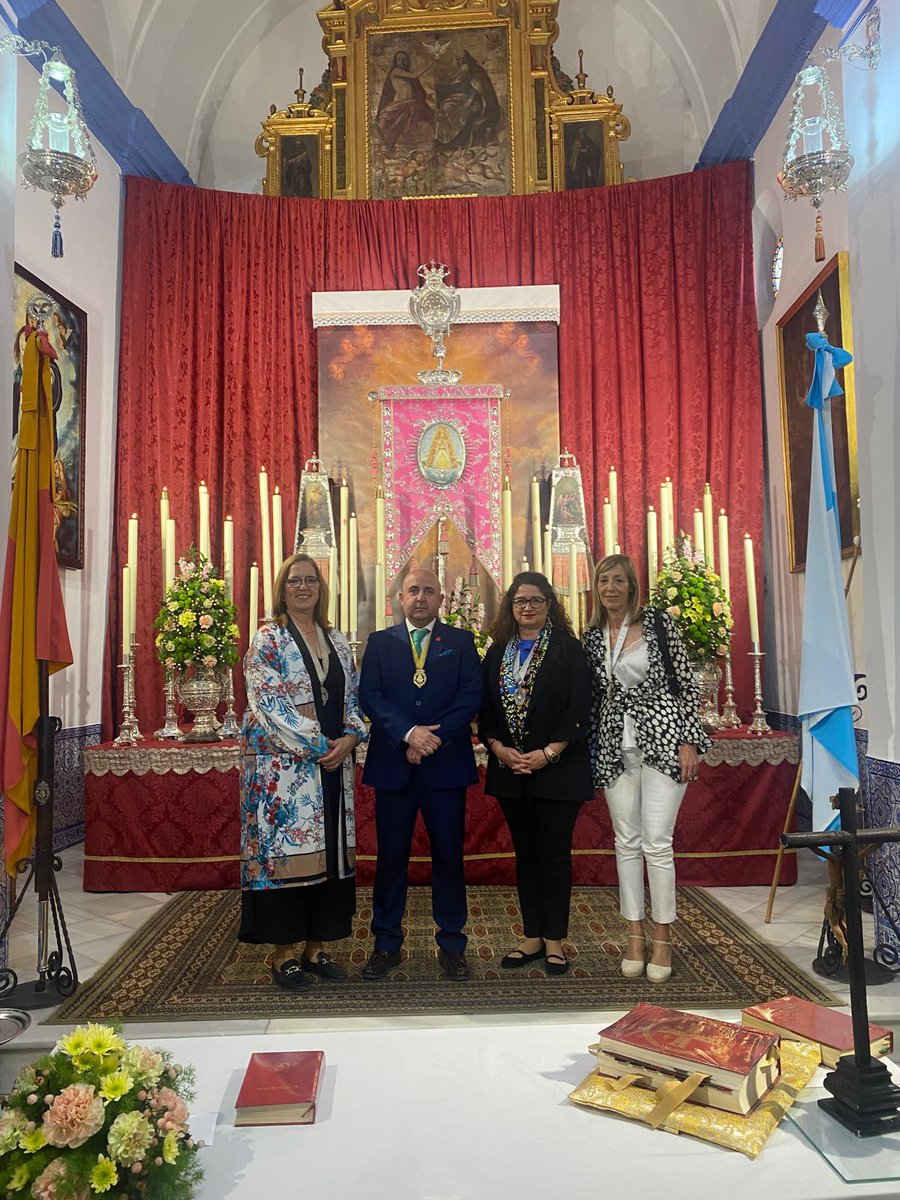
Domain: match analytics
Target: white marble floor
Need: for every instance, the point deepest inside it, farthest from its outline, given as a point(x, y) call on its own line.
point(100, 923)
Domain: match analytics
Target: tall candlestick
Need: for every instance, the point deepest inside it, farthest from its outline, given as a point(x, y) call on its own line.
point(665, 516)
point(608, 535)
point(266, 543)
point(547, 556)
point(699, 547)
point(163, 528)
point(708, 527)
point(574, 608)
point(751, 589)
point(536, 546)
point(380, 620)
point(344, 562)
point(253, 607)
point(132, 572)
point(380, 557)
point(614, 501)
point(506, 512)
point(354, 578)
point(126, 613)
point(724, 563)
point(228, 557)
point(673, 526)
point(203, 538)
point(170, 553)
point(652, 549)
point(617, 549)
point(526, 566)
point(277, 533)
point(332, 587)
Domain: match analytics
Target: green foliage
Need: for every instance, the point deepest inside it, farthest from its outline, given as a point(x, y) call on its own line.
point(693, 596)
point(197, 622)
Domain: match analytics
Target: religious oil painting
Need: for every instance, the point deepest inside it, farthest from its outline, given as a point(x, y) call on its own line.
point(583, 150)
point(438, 107)
point(65, 326)
point(300, 165)
point(795, 363)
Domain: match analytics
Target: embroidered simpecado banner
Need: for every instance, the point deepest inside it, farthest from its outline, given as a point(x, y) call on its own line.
point(441, 459)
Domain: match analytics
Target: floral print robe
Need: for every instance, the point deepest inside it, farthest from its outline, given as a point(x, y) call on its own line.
point(282, 805)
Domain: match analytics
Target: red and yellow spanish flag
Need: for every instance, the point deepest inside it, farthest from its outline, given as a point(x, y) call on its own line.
point(32, 615)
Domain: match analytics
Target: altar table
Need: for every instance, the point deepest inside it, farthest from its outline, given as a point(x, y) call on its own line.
point(163, 817)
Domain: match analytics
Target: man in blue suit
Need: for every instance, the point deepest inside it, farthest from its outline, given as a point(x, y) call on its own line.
point(420, 686)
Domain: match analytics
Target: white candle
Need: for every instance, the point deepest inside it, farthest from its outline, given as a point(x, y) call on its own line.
point(253, 607)
point(163, 528)
point(536, 547)
point(547, 556)
point(608, 534)
point(506, 514)
point(132, 573)
point(126, 613)
point(652, 549)
point(665, 511)
point(354, 578)
point(203, 539)
point(170, 553)
point(617, 549)
point(525, 565)
point(708, 527)
point(344, 561)
point(379, 596)
point(724, 564)
point(672, 528)
point(614, 502)
point(751, 588)
point(277, 533)
point(228, 557)
point(698, 532)
point(574, 608)
point(332, 587)
point(266, 543)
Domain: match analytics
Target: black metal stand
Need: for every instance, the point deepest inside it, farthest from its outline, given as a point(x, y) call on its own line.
point(57, 975)
point(829, 961)
point(865, 1099)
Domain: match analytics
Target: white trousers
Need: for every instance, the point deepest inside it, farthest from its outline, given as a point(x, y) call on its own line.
point(643, 804)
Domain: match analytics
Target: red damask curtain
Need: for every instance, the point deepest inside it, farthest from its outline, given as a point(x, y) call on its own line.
point(659, 370)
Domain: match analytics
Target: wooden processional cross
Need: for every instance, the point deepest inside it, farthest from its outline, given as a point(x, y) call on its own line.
point(864, 1098)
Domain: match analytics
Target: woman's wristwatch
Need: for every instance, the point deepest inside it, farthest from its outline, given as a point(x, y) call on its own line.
point(552, 756)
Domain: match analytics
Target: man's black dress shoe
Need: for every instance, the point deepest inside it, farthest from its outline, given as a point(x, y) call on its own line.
point(324, 967)
point(455, 965)
point(380, 962)
point(290, 976)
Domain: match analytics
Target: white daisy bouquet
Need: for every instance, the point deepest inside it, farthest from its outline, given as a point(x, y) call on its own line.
point(693, 596)
point(464, 610)
point(197, 622)
point(96, 1116)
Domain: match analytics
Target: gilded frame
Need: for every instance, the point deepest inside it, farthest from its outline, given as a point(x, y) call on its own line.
point(564, 120)
point(795, 364)
point(297, 120)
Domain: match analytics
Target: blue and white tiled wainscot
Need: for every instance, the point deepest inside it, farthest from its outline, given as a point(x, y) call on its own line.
point(881, 788)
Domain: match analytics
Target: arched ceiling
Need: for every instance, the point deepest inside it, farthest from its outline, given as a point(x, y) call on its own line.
point(205, 71)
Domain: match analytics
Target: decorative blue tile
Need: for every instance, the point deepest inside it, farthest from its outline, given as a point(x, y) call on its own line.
point(68, 784)
point(881, 798)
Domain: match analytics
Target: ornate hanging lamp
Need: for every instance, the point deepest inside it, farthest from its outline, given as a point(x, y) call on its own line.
point(58, 158)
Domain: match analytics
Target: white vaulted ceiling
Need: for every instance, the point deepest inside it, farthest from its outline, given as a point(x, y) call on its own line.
point(205, 71)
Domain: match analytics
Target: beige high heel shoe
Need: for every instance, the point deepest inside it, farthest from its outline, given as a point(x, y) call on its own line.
point(656, 973)
point(633, 968)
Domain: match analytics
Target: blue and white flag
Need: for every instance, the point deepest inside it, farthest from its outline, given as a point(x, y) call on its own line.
point(827, 688)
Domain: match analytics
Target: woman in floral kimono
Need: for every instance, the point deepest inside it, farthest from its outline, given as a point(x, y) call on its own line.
point(297, 820)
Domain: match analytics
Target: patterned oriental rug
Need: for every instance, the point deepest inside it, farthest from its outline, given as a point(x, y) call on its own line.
point(185, 964)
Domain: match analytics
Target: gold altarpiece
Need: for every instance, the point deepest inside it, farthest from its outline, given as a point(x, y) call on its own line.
point(442, 98)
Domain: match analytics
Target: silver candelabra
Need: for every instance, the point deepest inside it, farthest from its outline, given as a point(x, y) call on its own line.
point(759, 725)
point(171, 729)
point(729, 718)
point(129, 732)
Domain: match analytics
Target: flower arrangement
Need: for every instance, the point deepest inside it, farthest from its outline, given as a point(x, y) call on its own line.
point(197, 622)
point(463, 609)
point(97, 1116)
point(693, 596)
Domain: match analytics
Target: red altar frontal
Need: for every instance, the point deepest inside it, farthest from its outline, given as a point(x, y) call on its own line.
point(163, 817)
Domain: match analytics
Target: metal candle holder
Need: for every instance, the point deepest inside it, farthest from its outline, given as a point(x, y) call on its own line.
point(354, 649)
point(759, 725)
point(171, 728)
point(230, 727)
point(130, 731)
point(729, 718)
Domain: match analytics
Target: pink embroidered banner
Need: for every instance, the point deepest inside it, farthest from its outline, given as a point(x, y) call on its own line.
point(442, 459)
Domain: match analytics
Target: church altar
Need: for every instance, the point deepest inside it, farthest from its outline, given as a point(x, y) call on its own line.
point(164, 817)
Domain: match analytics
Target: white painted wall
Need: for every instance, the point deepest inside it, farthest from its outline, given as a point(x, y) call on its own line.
point(88, 275)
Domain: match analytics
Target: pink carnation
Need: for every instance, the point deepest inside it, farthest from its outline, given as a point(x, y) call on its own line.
point(178, 1111)
point(75, 1115)
point(205, 621)
point(44, 1187)
point(718, 608)
point(210, 660)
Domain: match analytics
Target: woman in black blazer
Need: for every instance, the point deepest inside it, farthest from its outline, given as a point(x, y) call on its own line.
point(534, 721)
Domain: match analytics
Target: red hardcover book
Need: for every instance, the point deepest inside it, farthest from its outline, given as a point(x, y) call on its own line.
point(802, 1021)
point(280, 1088)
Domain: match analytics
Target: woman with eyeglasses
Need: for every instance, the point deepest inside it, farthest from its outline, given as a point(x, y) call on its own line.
point(534, 722)
point(645, 739)
point(300, 728)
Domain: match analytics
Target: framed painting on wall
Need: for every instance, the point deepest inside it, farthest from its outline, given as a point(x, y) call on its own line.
point(795, 368)
point(66, 328)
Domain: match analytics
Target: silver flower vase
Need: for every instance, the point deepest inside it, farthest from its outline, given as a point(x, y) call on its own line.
point(200, 691)
point(708, 676)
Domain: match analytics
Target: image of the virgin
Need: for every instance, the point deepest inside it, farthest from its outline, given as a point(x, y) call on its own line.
point(404, 117)
point(315, 508)
point(441, 454)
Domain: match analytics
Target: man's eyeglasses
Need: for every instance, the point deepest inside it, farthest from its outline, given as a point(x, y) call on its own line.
point(308, 580)
point(522, 602)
